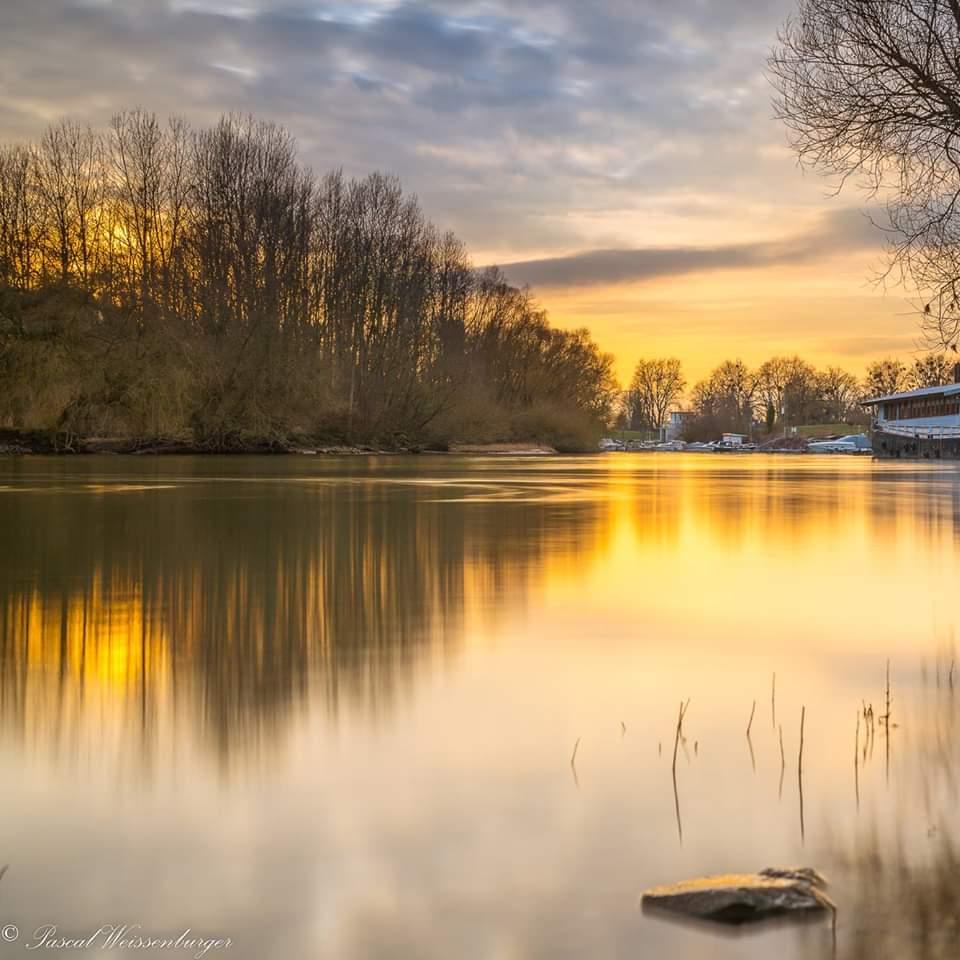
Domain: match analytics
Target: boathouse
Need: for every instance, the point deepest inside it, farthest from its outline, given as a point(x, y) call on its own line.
point(918, 423)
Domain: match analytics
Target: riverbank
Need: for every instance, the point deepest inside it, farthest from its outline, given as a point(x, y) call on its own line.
point(14, 443)
point(27, 443)
point(518, 449)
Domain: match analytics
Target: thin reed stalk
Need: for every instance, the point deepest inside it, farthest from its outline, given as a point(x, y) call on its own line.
point(803, 716)
point(856, 763)
point(783, 764)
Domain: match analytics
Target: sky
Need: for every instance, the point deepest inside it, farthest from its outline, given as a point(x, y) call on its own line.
point(619, 156)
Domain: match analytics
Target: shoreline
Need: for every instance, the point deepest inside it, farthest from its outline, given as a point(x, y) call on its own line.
point(15, 443)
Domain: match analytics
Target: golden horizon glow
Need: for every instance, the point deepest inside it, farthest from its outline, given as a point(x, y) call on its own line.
point(832, 313)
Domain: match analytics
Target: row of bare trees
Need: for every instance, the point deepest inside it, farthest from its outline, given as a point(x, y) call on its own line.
point(162, 280)
point(787, 391)
point(782, 391)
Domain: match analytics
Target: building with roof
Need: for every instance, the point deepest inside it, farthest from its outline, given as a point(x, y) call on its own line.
point(918, 423)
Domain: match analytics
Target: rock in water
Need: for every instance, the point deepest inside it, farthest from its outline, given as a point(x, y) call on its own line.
point(744, 897)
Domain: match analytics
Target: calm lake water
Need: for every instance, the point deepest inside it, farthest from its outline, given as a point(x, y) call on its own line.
point(326, 707)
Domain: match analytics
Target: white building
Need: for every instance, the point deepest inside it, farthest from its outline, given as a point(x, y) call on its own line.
point(918, 423)
point(674, 429)
point(923, 414)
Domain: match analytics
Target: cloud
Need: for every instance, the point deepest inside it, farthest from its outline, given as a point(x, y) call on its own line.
point(672, 94)
point(638, 132)
point(843, 230)
point(902, 345)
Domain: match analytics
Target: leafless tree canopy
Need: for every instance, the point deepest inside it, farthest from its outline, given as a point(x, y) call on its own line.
point(656, 387)
point(886, 376)
point(161, 281)
point(933, 370)
point(725, 400)
point(788, 391)
point(870, 91)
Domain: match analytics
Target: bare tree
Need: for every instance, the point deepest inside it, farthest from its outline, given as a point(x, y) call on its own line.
point(788, 387)
point(885, 377)
point(839, 393)
point(656, 386)
point(69, 183)
point(21, 218)
point(933, 370)
point(725, 400)
point(149, 185)
point(870, 91)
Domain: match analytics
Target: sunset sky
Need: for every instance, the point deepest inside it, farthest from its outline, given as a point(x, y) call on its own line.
point(620, 156)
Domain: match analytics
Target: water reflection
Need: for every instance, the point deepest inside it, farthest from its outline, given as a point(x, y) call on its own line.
point(228, 599)
point(133, 609)
point(428, 707)
point(898, 872)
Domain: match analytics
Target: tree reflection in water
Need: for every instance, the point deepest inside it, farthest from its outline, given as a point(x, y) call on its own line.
point(126, 613)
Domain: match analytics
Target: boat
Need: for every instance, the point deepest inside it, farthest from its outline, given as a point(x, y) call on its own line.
point(855, 443)
point(608, 445)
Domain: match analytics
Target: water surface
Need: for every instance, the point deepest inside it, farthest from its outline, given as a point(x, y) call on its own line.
point(326, 707)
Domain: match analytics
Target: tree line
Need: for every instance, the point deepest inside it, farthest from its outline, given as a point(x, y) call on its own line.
point(781, 392)
point(160, 281)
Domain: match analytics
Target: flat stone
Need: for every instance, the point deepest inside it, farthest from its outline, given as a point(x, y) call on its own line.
point(744, 897)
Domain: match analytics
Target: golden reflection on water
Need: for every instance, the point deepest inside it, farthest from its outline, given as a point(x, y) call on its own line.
point(172, 599)
point(132, 611)
point(346, 692)
point(88, 668)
